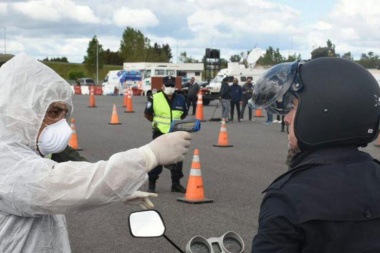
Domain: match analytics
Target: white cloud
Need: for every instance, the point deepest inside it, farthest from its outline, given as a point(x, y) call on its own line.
point(204, 20)
point(55, 10)
point(193, 25)
point(37, 10)
point(363, 17)
point(322, 26)
point(3, 8)
point(137, 18)
point(81, 13)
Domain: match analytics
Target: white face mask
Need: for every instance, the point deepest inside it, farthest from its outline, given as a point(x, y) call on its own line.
point(54, 138)
point(169, 91)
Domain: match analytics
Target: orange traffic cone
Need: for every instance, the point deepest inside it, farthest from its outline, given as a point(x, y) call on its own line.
point(195, 192)
point(199, 112)
point(129, 101)
point(114, 117)
point(125, 102)
point(74, 138)
point(223, 136)
point(92, 97)
point(259, 113)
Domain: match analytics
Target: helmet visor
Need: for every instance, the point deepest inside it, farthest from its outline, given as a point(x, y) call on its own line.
point(272, 89)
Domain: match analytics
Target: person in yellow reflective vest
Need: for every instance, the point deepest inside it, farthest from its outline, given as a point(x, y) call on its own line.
point(165, 106)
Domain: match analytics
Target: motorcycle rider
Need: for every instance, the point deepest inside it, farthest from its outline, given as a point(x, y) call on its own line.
point(329, 199)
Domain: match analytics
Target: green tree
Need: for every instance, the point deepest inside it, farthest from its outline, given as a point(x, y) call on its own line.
point(183, 58)
point(133, 46)
point(167, 52)
point(348, 56)
point(328, 51)
point(271, 57)
point(235, 58)
point(94, 56)
point(63, 59)
point(75, 74)
point(293, 57)
point(112, 58)
point(369, 61)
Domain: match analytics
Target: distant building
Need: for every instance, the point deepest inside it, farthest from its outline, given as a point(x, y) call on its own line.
point(149, 69)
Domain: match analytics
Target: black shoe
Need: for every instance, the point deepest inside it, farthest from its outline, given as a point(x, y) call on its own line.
point(178, 188)
point(152, 188)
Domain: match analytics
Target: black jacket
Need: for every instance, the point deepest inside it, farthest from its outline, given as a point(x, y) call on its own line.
point(225, 91)
point(193, 90)
point(329, 202)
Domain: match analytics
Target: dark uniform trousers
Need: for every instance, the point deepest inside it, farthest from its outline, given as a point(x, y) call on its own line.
point(329, 202)
point(176, 171)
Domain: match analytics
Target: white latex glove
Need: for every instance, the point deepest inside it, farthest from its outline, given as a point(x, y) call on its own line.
point(166, 149)
point(140, 198)
point(171, 147)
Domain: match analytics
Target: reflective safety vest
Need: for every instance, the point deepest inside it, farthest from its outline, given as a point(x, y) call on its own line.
point(163, 114)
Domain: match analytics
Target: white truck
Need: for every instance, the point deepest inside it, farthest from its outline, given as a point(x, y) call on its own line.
point(111, 83)
point(161, 69)
point(116, 81)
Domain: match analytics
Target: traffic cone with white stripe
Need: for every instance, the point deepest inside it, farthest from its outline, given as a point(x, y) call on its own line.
point(92, 97)
point(223, 136)
point(129, 101)
point(199, 111)
point(125, 100)
point(195, 191)
point(74, 137)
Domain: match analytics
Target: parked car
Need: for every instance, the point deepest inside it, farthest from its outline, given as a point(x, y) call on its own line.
point(85, 81)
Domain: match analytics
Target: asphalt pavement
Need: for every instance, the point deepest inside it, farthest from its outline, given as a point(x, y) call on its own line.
point(233, 178)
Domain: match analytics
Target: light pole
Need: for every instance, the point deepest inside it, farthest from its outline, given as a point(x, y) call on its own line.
point(5, 40)
point(97, 60)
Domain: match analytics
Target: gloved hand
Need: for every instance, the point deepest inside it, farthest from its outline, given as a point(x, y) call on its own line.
point(171, 147)
point(140, 198)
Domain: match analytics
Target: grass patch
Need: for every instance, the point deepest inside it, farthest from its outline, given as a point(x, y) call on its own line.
point(63, 69)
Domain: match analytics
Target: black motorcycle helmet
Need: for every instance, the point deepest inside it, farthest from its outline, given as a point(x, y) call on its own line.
point(339, 101)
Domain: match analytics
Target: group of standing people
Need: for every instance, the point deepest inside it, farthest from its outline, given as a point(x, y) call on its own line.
point(232, 96)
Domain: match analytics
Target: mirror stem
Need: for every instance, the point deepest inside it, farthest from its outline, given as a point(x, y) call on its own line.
point(178, 248)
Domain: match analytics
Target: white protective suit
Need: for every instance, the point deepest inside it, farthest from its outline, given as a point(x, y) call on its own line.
point(35, 192)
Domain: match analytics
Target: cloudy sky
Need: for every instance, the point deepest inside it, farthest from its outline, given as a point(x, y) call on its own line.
point(57, 28)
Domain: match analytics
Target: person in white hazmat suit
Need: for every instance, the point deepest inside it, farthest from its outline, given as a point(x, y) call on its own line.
point(36, 192)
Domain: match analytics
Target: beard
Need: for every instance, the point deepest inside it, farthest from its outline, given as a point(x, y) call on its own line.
point(292, 152)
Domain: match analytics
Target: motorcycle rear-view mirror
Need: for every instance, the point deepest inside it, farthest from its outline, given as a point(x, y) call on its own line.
point(146, 223)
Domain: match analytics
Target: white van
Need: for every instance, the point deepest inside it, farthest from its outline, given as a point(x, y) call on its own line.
point(111, 82)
